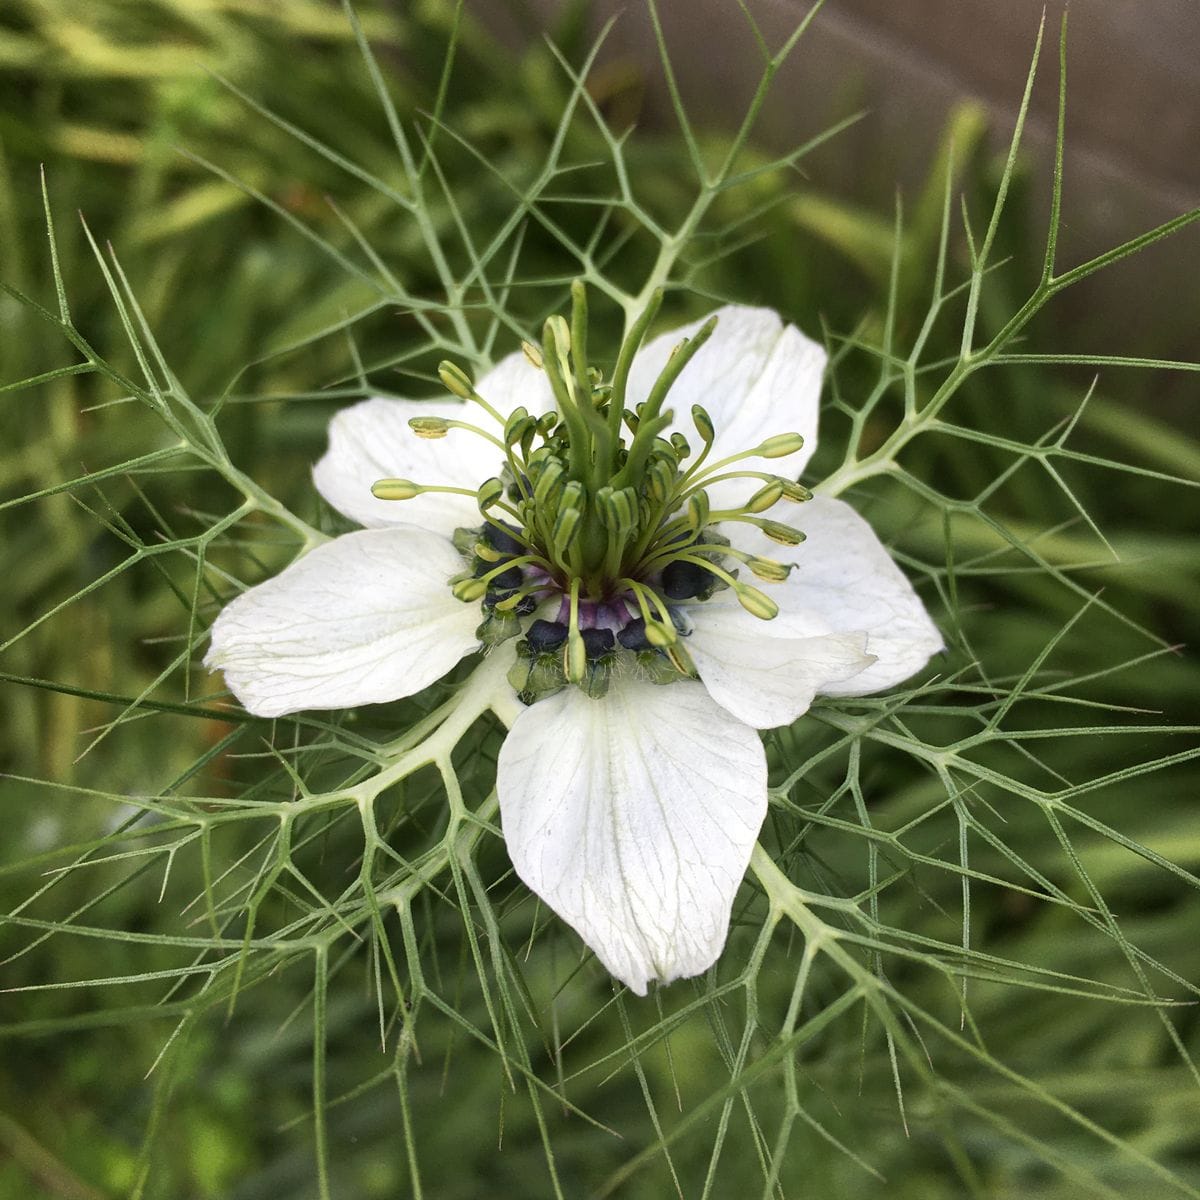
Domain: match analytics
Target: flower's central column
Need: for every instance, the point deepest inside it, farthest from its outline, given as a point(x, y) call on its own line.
point(600, 524)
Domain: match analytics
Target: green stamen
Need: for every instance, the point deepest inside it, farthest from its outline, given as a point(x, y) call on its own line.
point(574, 652)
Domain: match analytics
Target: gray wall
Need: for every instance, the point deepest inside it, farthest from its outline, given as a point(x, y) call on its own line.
point(1133, 125)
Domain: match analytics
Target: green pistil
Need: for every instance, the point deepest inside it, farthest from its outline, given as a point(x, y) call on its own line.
point(620, 381)
point(579, 332)
point(509, 603)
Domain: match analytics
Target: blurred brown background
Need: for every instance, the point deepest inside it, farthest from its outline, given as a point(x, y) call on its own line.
point(1133, 121)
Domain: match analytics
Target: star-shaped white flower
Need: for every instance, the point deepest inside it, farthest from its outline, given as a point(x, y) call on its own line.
point(630, 808)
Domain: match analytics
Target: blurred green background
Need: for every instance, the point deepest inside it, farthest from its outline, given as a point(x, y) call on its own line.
point(124, 103)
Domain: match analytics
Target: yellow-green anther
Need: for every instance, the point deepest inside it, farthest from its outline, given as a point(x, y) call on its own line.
point(533, 354)
point(565, 531)
point(681, 660)
point(780, 446)
point(559, 334)
point(490, 490)
point(660, 635)
point(618, 508)
point(395, 489)
point(574, 496)
point(660, 476)
point(512, 427)
point(547, 422)
point(455, 380)
point(680, 445)
point(469, 589)
point(784, 534)
point(508, 603)
point(631, 419)
point(569, 519)
point(574, 657)
point(548, 482)
point(766, 496)
point(520, 431)
point(486, 552)
point(704, 425)
point(697, 510)
point(769, 570)
point(755, 602)
point(795, 491)
point(429, 427)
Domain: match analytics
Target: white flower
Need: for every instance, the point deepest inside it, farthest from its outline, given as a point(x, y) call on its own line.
point(631, 802)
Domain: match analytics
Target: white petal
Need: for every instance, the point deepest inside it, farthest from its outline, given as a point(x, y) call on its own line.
point(755, 376)
point(513, 381)
point(372, 440)
point(365, 618)
point(846, 577)
point(634, 817)
point(767, 673)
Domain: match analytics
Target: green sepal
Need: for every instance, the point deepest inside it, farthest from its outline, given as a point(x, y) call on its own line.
point(498, 627)
point(535, 678)
point(656, 667)
point(595, 682)
point(518, 673)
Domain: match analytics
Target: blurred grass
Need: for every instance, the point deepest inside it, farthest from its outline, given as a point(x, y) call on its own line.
point(106, 97)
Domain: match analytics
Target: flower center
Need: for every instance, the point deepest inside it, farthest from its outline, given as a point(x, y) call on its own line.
point(601, 525)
